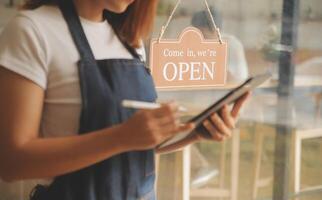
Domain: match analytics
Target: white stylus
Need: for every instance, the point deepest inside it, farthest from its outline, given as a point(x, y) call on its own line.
point(145, 105)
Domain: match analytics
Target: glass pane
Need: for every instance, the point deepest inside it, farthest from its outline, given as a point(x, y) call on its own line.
point(244, 167)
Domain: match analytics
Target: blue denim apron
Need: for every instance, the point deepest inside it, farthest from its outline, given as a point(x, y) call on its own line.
point(104, 84)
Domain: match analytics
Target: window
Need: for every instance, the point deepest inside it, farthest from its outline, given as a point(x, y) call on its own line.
point(275, 152)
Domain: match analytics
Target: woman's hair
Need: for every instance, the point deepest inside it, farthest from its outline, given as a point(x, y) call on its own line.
point(132, 26)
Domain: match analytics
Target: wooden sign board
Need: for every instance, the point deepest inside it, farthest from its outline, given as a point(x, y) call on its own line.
point(189, 61)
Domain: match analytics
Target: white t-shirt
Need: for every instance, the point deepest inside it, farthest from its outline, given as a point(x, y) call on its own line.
point(37, 45)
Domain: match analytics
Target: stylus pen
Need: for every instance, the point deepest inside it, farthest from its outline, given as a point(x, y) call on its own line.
point(145, 105)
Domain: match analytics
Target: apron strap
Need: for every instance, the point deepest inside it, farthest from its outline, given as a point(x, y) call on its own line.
point(75, 27)
point(135, 54)
point(87, 66)
point(131, 49)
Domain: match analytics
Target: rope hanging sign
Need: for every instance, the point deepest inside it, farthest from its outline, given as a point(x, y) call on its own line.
point(189, 61)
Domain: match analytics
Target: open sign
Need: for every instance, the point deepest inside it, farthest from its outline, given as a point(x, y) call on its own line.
point(190, 61)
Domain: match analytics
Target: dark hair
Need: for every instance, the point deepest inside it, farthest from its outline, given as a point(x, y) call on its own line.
point(132, 26)
point(201, 19)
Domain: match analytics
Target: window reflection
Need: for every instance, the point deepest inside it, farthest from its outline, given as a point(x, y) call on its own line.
point(243, 167)
point(257, 25)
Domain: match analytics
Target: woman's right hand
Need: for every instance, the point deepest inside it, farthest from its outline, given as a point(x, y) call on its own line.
point(148, 128)
point(26, 155)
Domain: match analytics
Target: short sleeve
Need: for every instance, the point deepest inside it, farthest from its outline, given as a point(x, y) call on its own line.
point(22, 50)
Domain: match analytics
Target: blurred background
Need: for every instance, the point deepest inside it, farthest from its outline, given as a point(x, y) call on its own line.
point(275, 152)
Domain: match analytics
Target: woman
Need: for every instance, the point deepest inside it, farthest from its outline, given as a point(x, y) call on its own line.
point(65, 67)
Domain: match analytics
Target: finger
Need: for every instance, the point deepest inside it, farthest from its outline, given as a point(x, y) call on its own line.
point(213, 131)
point(169, 119)
point(220, 125)
point(238, 104)
point(218, 137)
point(185, 127)
point(166, 109)
point(227, 118)
point(167, 130)
point(170, 131)
point(215, 135)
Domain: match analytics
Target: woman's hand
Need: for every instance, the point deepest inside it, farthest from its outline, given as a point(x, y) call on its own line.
point(221, 124)
point(148, 128)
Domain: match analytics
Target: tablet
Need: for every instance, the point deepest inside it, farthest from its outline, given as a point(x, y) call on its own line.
point(250, 84)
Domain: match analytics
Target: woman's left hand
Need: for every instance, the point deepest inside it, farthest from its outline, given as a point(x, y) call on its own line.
point(221, 124)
